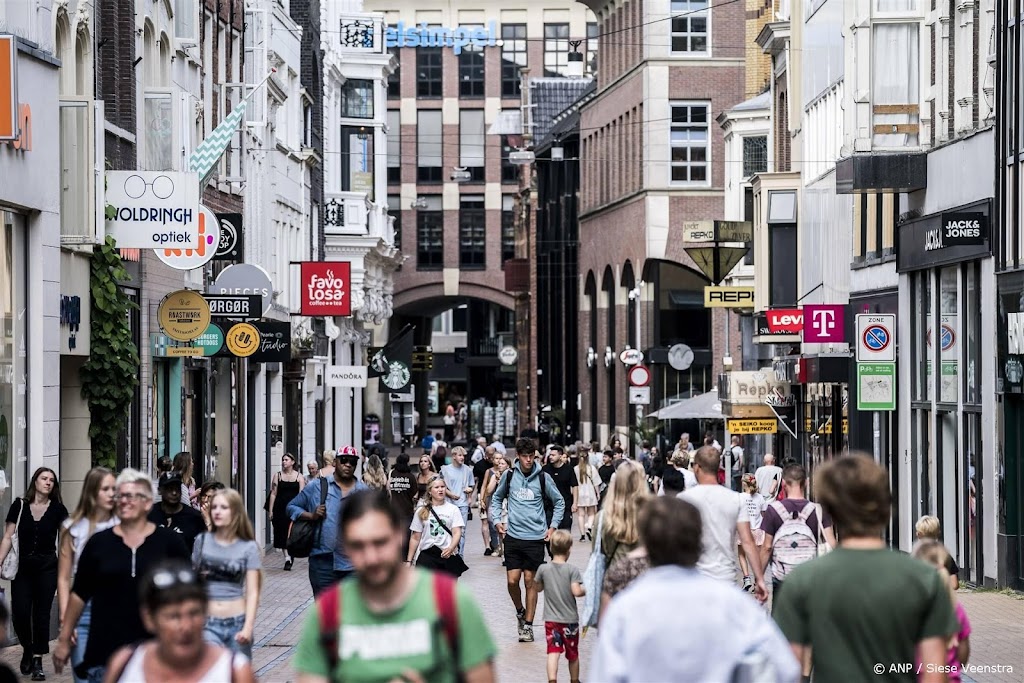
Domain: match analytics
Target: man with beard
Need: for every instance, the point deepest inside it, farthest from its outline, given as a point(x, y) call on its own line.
point(328, 562)
point(169, 512)
point(391, 622)
point(565, 480)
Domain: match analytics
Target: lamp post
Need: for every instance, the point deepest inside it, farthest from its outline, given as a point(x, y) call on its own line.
point(635, 295)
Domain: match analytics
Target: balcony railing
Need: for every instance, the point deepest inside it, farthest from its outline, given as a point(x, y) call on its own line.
point(346, 213)
point(361, 33)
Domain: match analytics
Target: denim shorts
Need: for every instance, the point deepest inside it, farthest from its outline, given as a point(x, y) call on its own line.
point(222, 631)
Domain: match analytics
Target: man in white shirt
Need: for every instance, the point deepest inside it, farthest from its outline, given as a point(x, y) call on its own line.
point(499, 446)
point(733, 639)
point(769, 478)
point(724, 519)
point(478, 452)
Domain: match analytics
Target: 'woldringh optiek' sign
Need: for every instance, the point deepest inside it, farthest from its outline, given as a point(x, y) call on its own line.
point(154, 209)
point(423, 35)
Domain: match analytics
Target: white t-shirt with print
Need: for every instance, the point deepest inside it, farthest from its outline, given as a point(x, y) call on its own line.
point(431, 532)
point(720, 511)
point(753, 505)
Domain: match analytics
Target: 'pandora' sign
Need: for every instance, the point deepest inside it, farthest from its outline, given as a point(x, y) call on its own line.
point(326, 289)
point(154, 209)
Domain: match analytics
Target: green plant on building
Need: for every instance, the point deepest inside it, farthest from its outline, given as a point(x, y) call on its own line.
point(110, 376)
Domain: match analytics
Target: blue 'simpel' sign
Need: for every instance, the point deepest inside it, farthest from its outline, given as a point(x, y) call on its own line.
point(424, 35)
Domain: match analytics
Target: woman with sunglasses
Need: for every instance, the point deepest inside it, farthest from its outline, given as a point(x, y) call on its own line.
point(36, 518)
point(95, 513)
point(436, 529)
point(173, 600)
point(112, 565)
point(228, 558)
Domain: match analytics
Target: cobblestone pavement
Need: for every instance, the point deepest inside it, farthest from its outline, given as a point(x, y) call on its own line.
point(997, 620)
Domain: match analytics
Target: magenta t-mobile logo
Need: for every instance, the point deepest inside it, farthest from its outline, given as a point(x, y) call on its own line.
point(824, 324)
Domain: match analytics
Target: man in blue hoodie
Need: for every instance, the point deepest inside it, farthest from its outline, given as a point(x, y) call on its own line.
point(525, 487)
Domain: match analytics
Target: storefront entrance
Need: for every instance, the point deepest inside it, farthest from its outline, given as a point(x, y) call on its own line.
point(13, 345)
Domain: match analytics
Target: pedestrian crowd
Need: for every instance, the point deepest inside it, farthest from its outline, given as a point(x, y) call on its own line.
point(162, 582)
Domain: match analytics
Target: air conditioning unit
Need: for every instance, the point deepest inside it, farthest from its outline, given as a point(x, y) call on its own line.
point(520, 157)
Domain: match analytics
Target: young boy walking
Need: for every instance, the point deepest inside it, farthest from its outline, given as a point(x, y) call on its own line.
point(561, 583)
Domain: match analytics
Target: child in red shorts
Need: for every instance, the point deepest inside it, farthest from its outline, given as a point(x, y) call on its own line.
point(562, 583)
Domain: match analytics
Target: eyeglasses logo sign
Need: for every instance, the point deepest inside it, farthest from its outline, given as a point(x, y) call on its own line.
point(155, 210)
point(243, 340)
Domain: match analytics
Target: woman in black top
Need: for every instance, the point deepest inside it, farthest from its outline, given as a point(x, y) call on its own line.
point(37, 517)
point(426, 473)
point(285, 485)
point(112, 565)
point(403, 491)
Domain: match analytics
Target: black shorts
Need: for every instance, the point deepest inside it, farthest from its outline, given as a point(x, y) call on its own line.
point(526, 555)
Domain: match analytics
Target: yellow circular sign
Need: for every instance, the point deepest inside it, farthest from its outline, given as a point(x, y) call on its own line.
point(242, 340)
point(184, 315)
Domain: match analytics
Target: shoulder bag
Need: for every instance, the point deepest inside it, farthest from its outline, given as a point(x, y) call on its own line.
point(455, 563)
point(593, 578)
point(9, 569)
point(303, 534)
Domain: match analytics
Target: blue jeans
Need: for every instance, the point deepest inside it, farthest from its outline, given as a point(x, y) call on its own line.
point(82, 634)
point(464, 509)
point(222, 631)
point(495, 538)
point(321, 572)
point(97, 674)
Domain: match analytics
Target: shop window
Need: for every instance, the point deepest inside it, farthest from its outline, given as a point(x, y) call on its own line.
point(592, 34)
point(430, 235)
point(472, 233)
point(428, 146)
point(690, 26)
point(947, 334)
point(920, 294)
point(357, 99)
point(513, 56)
point(556, 49)
point(688, 139)
point(428, 72)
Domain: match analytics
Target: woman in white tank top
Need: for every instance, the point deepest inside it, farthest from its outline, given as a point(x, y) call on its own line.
point(173, 603)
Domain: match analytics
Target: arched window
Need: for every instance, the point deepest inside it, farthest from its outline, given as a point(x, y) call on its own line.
point(165, 61)
point(83, 63)
point(62, 50)
point(150, 65)
point(628, 284)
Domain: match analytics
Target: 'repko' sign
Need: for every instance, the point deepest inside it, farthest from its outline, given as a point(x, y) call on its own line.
point(326, 288)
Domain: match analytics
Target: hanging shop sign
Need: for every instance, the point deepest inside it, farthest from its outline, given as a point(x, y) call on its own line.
point(183, 315)
point(154, 209)
point(8, 87)
point(326, 288)
point(235, 306)
point(424, 35)
point(761, 426)
point(242, 340)
point(508, 355)
point(824, 324)
point(189, 259)
point(245, 278)
point(275, 342)
point(751, 387)
point(210, 341)
point(345, 376)
point(631, 357)
point(728, 297)
point(785, 321)
point(231, 246)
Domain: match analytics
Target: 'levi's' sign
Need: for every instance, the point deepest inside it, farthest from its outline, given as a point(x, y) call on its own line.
point(785, 321)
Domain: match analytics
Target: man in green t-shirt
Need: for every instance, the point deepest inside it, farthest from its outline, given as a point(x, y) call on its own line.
point(393, 626)
point(867, 613)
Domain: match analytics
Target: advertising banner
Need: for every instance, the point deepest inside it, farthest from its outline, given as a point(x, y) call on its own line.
point(326, 288)
point(154, 209)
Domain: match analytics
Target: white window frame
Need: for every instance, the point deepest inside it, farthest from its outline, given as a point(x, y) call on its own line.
point(707, 30)
point(257, 43)
point(230, 164)
point(180, 9)
point(144, 129)
point(92, 222)
point(707, 162)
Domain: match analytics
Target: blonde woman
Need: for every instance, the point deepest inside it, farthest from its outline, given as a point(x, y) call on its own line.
point(327, 471)
point(374, 475)
point(627, 492)
point(95, 513)
point(587, 497)
point(229, 559)
point(443, 523)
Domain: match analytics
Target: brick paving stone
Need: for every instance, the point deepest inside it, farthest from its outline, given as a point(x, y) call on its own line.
point(997, 638)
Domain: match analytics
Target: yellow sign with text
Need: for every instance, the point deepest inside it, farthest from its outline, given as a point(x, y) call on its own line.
point(728, 297)
point(766, 426)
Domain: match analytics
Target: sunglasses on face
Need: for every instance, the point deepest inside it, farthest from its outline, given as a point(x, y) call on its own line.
point(348, 459)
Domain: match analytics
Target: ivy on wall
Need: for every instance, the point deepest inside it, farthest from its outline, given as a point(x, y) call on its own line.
point(111, 374)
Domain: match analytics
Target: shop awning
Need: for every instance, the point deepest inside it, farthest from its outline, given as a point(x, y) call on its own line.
point(702, 407)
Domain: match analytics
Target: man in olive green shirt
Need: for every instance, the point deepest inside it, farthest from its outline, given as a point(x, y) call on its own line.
point(391, 626)
point(867, 613)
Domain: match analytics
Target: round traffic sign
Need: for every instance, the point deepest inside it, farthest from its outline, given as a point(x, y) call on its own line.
point(948, 337)
point(876, 338)
point(242, 340)
point(639, 376)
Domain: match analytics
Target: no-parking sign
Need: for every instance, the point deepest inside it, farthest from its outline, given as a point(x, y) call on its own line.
point(876, 338)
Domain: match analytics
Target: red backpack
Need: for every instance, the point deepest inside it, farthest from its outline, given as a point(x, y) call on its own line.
point(328, 609)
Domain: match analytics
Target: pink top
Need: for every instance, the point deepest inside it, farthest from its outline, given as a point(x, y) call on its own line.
point(961, 636)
